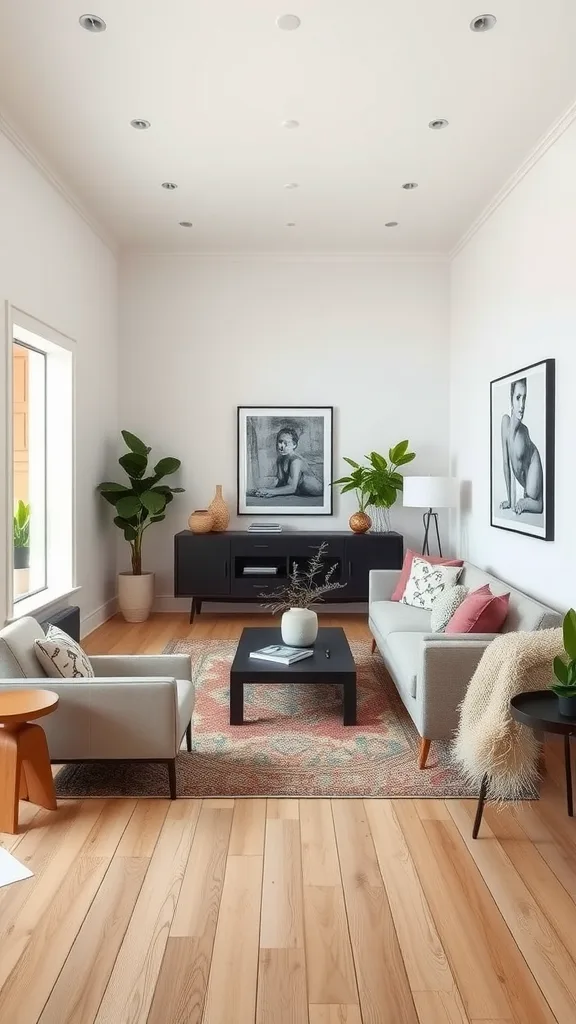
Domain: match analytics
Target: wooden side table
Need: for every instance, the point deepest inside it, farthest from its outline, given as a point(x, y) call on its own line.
point(25, 771)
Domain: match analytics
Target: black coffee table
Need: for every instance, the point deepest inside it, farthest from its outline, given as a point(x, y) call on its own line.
point(338, 668)
point(539, 710)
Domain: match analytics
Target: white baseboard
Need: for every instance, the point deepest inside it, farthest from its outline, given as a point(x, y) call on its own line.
point(91, 622)
point(182, 604)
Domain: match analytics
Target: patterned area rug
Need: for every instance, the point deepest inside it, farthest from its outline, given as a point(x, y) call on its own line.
point(293, 742)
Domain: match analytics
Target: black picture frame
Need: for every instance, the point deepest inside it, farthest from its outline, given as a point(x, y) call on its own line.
point(312, 428)
point(533, 455)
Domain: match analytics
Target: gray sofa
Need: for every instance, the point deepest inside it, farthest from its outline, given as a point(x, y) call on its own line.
point(137, 708)
point(431, 671)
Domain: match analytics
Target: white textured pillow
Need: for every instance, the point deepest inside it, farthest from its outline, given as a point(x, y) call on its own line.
point(445, 605)
point(426, 582)
point(61, 657)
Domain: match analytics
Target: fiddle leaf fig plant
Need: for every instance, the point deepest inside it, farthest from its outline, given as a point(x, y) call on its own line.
point(144, 500)
point(565, 671)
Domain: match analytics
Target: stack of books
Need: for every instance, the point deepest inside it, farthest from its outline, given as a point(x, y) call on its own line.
point(264, 528)
point(281, 654)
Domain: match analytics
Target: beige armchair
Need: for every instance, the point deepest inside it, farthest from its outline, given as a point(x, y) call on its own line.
point(136, 708)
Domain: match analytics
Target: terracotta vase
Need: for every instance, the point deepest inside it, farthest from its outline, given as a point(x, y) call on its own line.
point(200, 521)
point(360, 522)
point(220, 511)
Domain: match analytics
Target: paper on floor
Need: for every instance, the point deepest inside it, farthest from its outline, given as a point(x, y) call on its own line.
point(11, 870)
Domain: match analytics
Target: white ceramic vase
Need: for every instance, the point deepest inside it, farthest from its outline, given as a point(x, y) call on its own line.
point(135, 595)
point(299, 627)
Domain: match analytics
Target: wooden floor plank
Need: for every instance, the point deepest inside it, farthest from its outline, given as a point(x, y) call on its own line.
point(282, 924)
point(441, 1008)
point(282, 987)
point(334, 1014)
point(543, 950)
point(330, 968)
point(234, 969)
point(383, 988)
point(183, 980)
point(129, 994)
point(283, 808)
point(143, 829)
point(82, 982)
point(24, 994)
point(491, 974)
point(248, 828)
point(426, 963)
point(319, 854)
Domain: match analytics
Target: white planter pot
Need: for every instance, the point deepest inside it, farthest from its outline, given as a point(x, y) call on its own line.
point(135, 595)
point(299, 627)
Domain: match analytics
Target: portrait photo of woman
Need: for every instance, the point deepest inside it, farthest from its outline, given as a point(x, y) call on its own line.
point(285, 461)
point(522, 450)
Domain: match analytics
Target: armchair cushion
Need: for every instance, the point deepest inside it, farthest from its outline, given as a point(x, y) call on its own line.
point(17, 657)
point(61, 657)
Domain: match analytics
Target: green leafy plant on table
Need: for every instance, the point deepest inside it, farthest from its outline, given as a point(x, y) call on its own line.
point(144, 501)
point(565, 671)
point(379, 483)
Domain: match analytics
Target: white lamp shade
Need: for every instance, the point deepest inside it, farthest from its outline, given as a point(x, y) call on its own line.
point(430, 491)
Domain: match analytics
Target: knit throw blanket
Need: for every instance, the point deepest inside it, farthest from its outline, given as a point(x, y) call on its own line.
point(488, 740)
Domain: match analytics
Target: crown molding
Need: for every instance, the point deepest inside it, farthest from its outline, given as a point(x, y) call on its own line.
point(293, 257)
point(49, 175)
point(544, 143)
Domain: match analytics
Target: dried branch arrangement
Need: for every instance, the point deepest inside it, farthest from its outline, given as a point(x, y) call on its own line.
point(302, 590)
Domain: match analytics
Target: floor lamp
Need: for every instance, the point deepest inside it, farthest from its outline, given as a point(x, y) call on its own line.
point(430, 492)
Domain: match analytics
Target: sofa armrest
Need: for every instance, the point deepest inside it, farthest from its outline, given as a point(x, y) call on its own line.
point(176, 666)
point(382, 584)
point(447, 667)
point(118, 718)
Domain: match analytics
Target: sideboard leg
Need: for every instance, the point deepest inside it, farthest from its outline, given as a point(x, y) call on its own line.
point(192, 610)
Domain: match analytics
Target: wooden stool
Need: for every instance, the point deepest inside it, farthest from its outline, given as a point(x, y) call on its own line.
point(25, 770)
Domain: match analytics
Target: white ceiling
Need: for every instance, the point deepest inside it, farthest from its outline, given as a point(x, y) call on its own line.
point(216, 78)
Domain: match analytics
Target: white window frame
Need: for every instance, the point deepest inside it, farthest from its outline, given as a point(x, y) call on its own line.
point(60, 351)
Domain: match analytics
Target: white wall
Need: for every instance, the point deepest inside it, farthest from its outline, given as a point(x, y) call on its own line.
point(201, 336)
point(54, 267)
point(513, 299)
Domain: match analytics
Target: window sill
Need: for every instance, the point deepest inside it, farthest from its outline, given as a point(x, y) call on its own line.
point(40, 602)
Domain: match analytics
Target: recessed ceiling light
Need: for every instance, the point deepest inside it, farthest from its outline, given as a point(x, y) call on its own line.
point(92, 23)
point(391, 224)
point(291, 224)
point(290, 124)
point(169, 185)
point(288, 22)
point(438, 123)
point(140, 124)
point(185, 223)
point(483, 23)
point(292, 184)
point(409, 185)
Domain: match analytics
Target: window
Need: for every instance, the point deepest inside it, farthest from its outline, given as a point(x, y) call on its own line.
point(41, 421)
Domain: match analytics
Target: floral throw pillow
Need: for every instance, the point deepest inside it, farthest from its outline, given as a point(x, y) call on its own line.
point(445, 605)
point(426, 582)
point(61, 657)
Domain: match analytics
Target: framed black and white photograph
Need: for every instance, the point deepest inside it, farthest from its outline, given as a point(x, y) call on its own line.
point(522, 450)
point(285, 460)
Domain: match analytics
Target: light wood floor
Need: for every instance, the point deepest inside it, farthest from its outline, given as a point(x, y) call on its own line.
point(288, 911)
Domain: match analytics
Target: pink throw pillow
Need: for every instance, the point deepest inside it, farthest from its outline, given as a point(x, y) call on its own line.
point(407, 565)
point(480, 612)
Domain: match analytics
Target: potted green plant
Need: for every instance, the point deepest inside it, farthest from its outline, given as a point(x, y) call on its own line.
point(385, 482)
point(377, 485)
point(299, 625)
point(565, 671)
point(22, 536)
point(137, 506)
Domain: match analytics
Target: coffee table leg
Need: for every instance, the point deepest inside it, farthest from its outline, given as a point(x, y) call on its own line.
point(568, 775)
point(236, 703)
point(350, 703)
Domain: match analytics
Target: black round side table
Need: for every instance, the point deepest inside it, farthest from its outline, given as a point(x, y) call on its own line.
point(538, 710)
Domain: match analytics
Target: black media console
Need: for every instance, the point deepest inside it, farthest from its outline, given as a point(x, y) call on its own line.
point(241, 566)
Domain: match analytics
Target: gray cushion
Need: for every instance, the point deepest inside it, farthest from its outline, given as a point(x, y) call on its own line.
point(186, 700)
point(394, 617)
point(404, 651)
point(17, 656)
